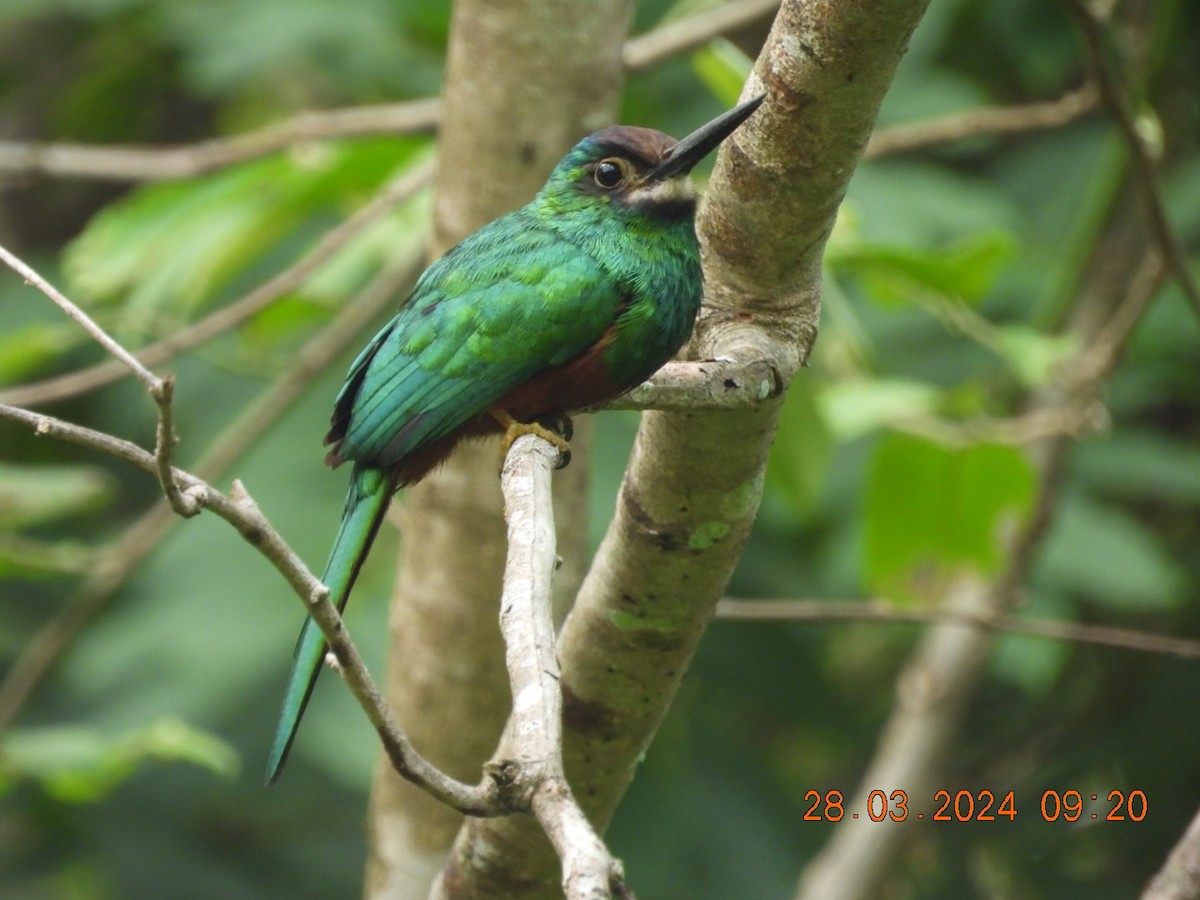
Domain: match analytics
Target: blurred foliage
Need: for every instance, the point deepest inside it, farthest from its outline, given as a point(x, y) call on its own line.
point(949, 277)
point(75, 765)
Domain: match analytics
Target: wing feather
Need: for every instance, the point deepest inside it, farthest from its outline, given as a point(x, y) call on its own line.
point(507, 303)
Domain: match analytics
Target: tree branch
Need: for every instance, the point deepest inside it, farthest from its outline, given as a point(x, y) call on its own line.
point(189, 161)
point(694, 482)
point(680, 36)
point(161, 390)
point(708, 385)
point(984, 122)
point(545, 74)
point(152, 382)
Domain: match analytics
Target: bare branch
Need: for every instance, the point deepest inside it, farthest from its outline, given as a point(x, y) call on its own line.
point(984, 122)
point(236, 312)
point(165, 163)
point(1074, 417)
point(551, 85)
point(887, 613)
point(164, 445)
point(1142, 154)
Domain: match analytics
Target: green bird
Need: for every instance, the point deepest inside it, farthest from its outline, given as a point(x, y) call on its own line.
point(563, 304)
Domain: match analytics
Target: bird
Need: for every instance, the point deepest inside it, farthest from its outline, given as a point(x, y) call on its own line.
point(562, 304)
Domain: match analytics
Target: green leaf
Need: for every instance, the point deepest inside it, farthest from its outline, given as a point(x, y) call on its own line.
point(1100, 553)
point(167, 249)
point(30, 557)
point(1032, 355)
point(723, 68)
point(932, 509)
point(853, 408)
point(80, 765)
point(966, 271)
point(34, 347)
point(34, 495)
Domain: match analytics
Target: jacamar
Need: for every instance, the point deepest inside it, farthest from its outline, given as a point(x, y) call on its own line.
point(563, 304)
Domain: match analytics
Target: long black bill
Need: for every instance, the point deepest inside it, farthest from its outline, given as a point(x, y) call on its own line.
point(701, 142)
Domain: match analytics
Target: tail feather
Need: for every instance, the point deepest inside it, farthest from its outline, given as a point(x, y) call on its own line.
point(366, 502)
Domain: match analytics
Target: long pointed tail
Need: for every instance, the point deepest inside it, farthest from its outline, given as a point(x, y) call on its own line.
point(366, 502)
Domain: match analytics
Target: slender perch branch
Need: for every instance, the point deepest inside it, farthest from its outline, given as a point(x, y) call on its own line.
point(533, 737)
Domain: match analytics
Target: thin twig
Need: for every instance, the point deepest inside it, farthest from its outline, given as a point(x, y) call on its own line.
point(682, 35)
point(164, 446)
point(992, 121)
point(124, 357)
point(398, 191)
point(1145, 168)
point(161, 390)
point(116, 561)
point(1074, 417)
point(885, 612)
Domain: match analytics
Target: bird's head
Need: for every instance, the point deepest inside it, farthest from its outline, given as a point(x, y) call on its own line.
point(640, 168)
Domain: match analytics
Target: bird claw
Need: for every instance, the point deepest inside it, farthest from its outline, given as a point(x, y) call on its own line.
point(560, 425)
point(555, 431)
point(564, 428)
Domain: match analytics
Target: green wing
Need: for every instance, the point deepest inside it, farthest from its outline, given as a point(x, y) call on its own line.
point(510, 301)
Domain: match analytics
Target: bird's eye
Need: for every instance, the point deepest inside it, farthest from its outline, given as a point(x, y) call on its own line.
point(609, 173)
